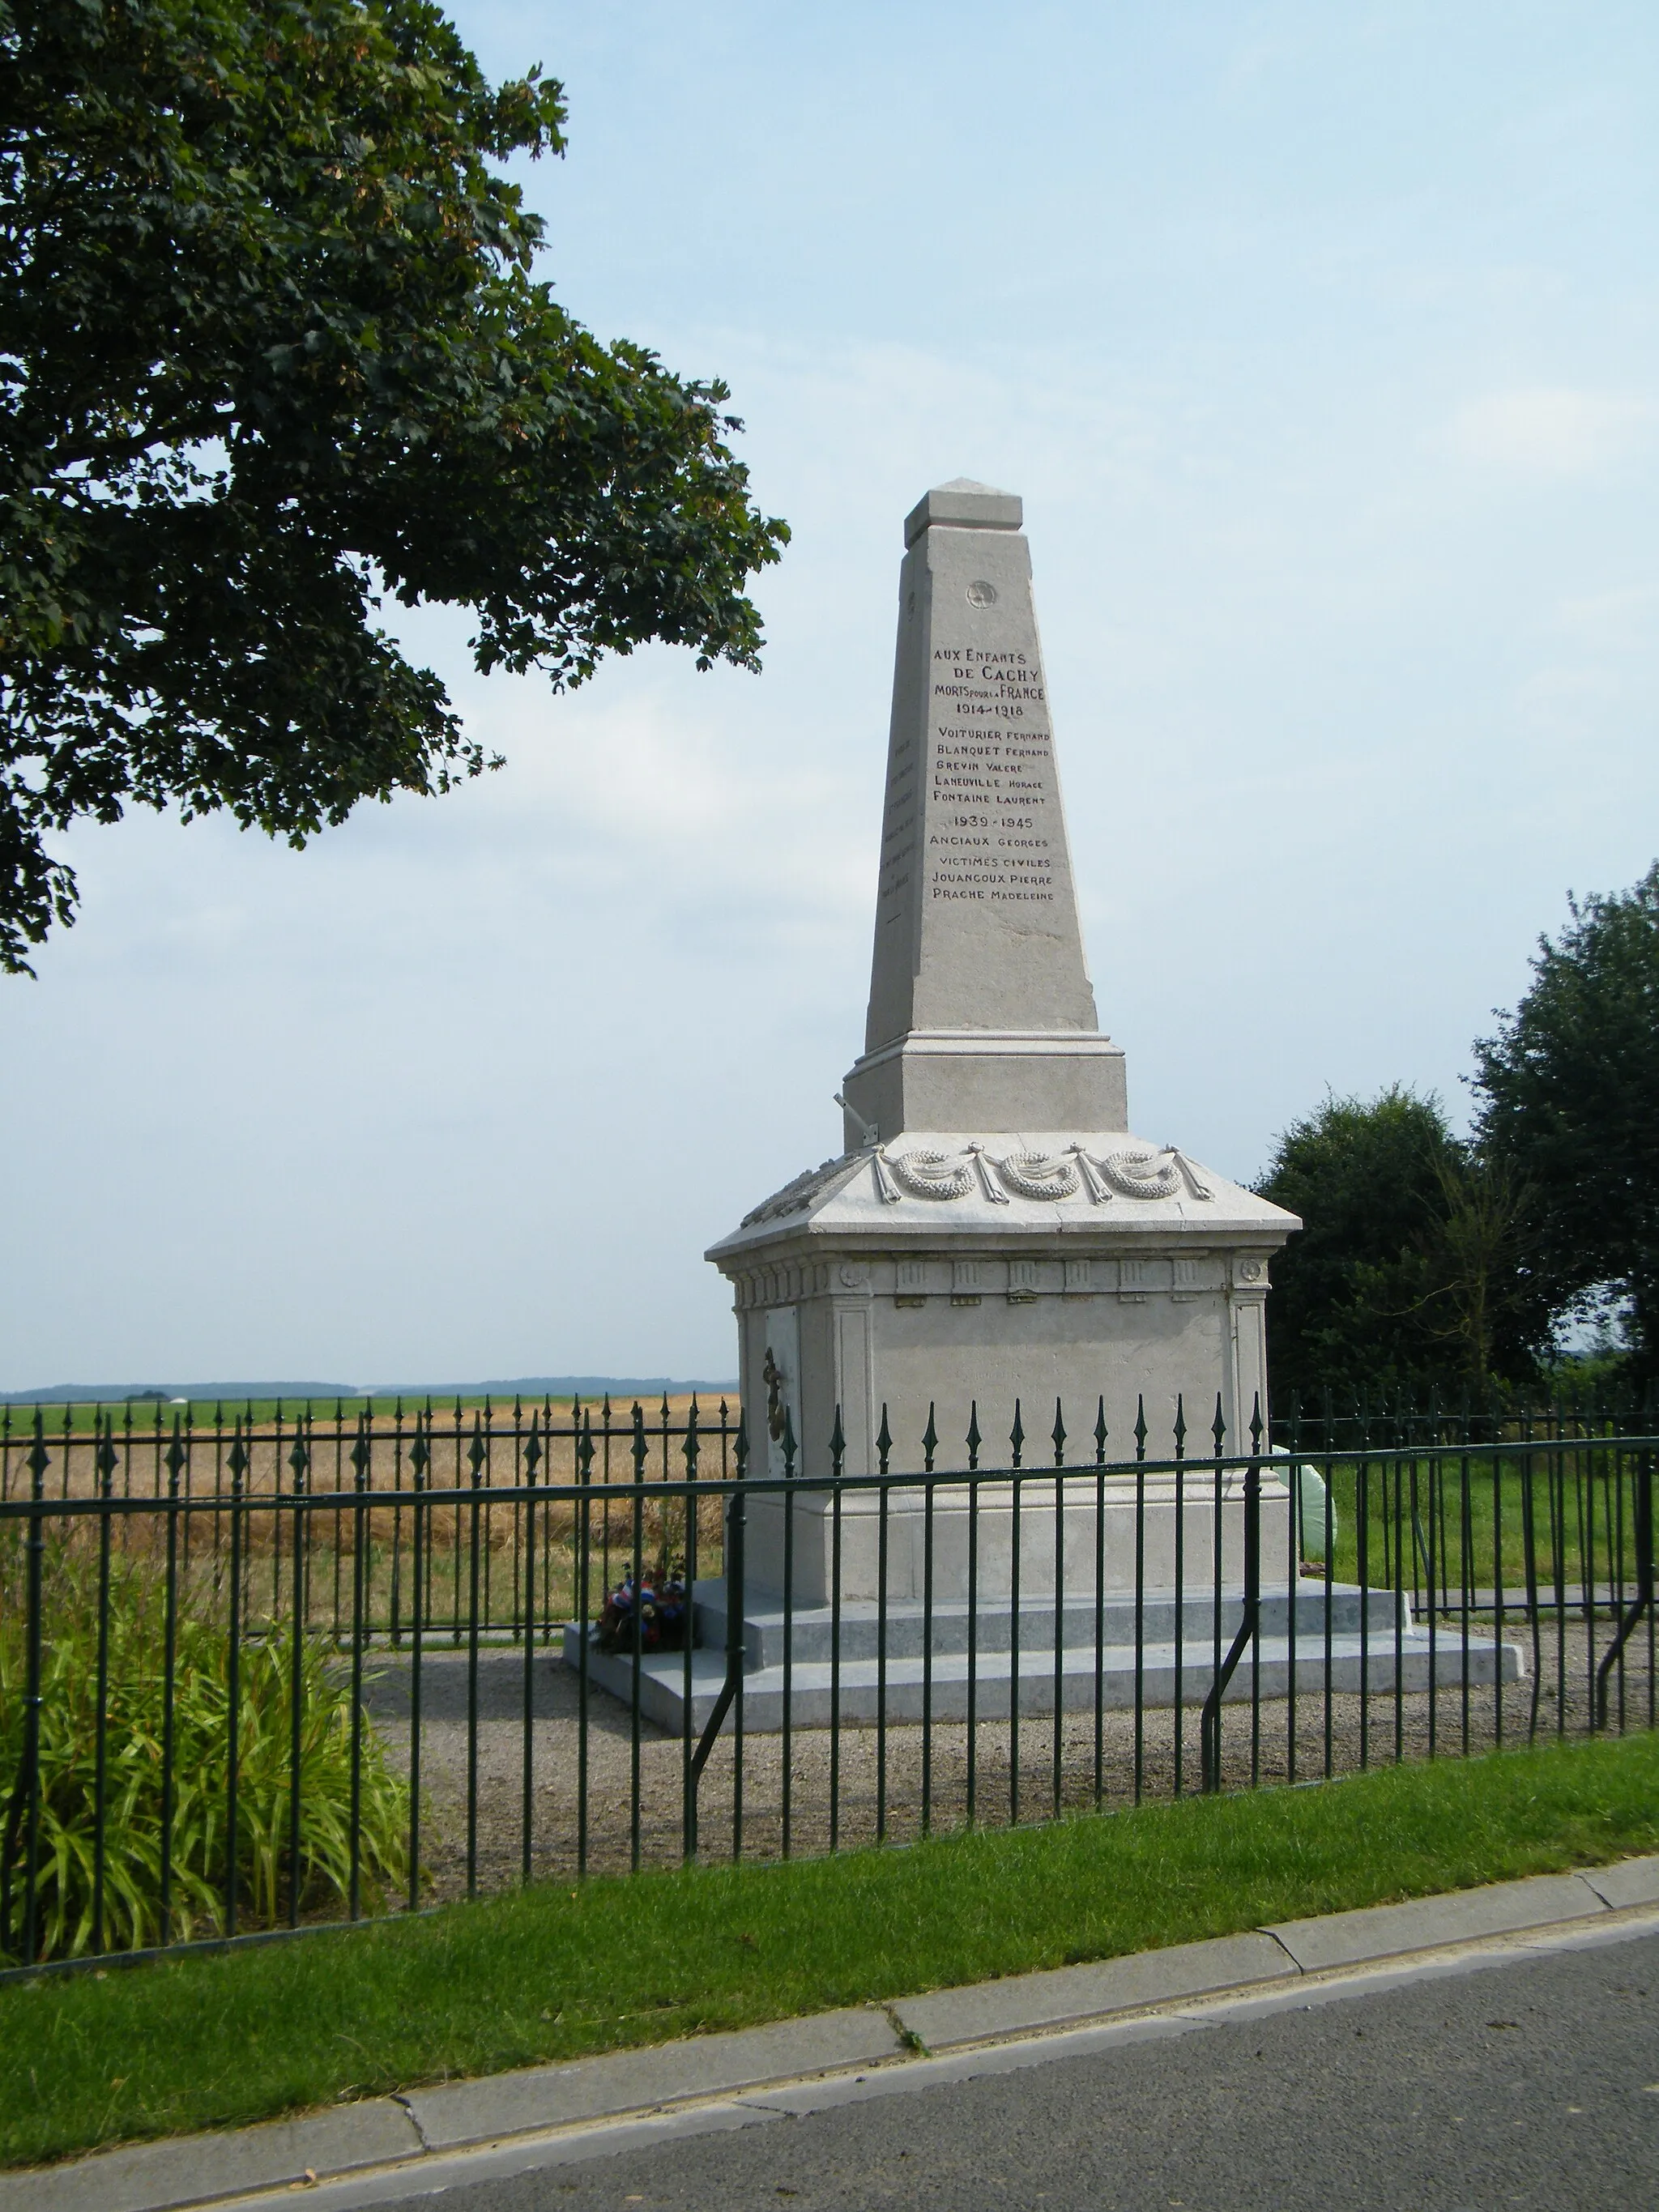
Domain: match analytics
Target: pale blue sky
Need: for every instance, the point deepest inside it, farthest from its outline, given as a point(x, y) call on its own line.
point(1321, 342)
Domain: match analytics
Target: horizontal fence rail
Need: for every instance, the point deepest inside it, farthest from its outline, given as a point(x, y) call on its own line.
point(284, 1667)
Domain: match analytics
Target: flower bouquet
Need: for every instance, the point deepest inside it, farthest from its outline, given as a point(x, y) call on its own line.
point(653, 1610)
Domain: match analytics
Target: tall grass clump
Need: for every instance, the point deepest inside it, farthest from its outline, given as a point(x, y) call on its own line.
point(179, 1810)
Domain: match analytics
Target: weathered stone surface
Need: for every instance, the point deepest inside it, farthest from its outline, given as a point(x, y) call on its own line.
point(994, 1234)
point(981, 1009)
point(869, 1293)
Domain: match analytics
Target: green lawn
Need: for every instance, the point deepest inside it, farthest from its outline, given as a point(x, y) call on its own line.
point(1581, 1503)
point(548, 1973)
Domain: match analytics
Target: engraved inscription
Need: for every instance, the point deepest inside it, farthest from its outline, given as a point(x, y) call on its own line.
point(994, 828)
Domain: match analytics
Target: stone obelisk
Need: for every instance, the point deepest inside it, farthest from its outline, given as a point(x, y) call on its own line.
point(991, 1236)
point(980, 1011)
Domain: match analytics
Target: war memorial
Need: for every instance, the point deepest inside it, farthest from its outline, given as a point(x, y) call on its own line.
point(995, 1273)
point(993, 1232)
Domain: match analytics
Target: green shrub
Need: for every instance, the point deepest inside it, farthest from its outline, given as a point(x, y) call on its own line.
point(133, 1782)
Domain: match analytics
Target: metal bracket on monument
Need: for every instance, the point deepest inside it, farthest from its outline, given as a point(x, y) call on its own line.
point(872, 1136)
point(867, 1130)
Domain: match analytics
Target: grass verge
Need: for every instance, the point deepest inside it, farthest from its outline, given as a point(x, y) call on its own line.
point(554, 1973)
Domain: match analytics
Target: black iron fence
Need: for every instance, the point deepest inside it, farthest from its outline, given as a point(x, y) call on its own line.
point(278, 1668)
point(468, 1465)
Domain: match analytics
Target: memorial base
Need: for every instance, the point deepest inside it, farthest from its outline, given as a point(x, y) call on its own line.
point(864, 1662)
point(1078, 1533)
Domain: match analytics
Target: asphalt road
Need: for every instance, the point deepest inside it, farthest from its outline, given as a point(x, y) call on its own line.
point(1535, 2084)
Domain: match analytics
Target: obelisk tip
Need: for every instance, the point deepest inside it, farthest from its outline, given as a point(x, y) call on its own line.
point(962, 504)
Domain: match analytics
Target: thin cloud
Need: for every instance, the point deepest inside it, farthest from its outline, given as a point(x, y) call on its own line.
point(1551, 431)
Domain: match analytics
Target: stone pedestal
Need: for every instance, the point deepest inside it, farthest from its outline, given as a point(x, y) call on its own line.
point(867, 1303)
point(970, 1534)
point(993, 1237)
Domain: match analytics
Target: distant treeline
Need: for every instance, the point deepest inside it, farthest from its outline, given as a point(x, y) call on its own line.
point(524, 1386)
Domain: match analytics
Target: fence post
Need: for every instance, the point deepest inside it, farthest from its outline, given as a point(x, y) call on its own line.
point(973, 1440)
point(1057, 1435)
point(1179, 1581)
point(786, 1758)
point(689, 1451)
point(299, 1460)
point(106, 1461)
point(929, 1453)
point(733, 1565)
point(25, 1807)
point(239, 1461)
point(1210, 1733)
point(1643, 1599)
point(1140, 1433)
point(177, 1460)
point(362, 1452)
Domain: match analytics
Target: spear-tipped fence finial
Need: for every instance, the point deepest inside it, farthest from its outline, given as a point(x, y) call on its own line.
point(690, 1448)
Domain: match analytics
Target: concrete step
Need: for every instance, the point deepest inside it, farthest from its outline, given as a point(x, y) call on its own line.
point(1083, 1621)
point(906, 1687)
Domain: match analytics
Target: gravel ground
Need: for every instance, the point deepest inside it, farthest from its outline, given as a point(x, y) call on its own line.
point(874, 1780)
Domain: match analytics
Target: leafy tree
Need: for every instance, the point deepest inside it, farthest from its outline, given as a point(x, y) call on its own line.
point(1570, 1100)
point(1365, 1176)
point(270, 347)
point(1479, 1303)
point(1402, 1276)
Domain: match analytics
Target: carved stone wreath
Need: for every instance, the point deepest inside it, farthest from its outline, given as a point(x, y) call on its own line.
point(1038, 1174)
point(1133, 1173)
point(928, 1174)
point(1137, 1174)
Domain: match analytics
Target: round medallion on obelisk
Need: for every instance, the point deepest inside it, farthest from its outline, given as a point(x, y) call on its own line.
point(982, 594)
